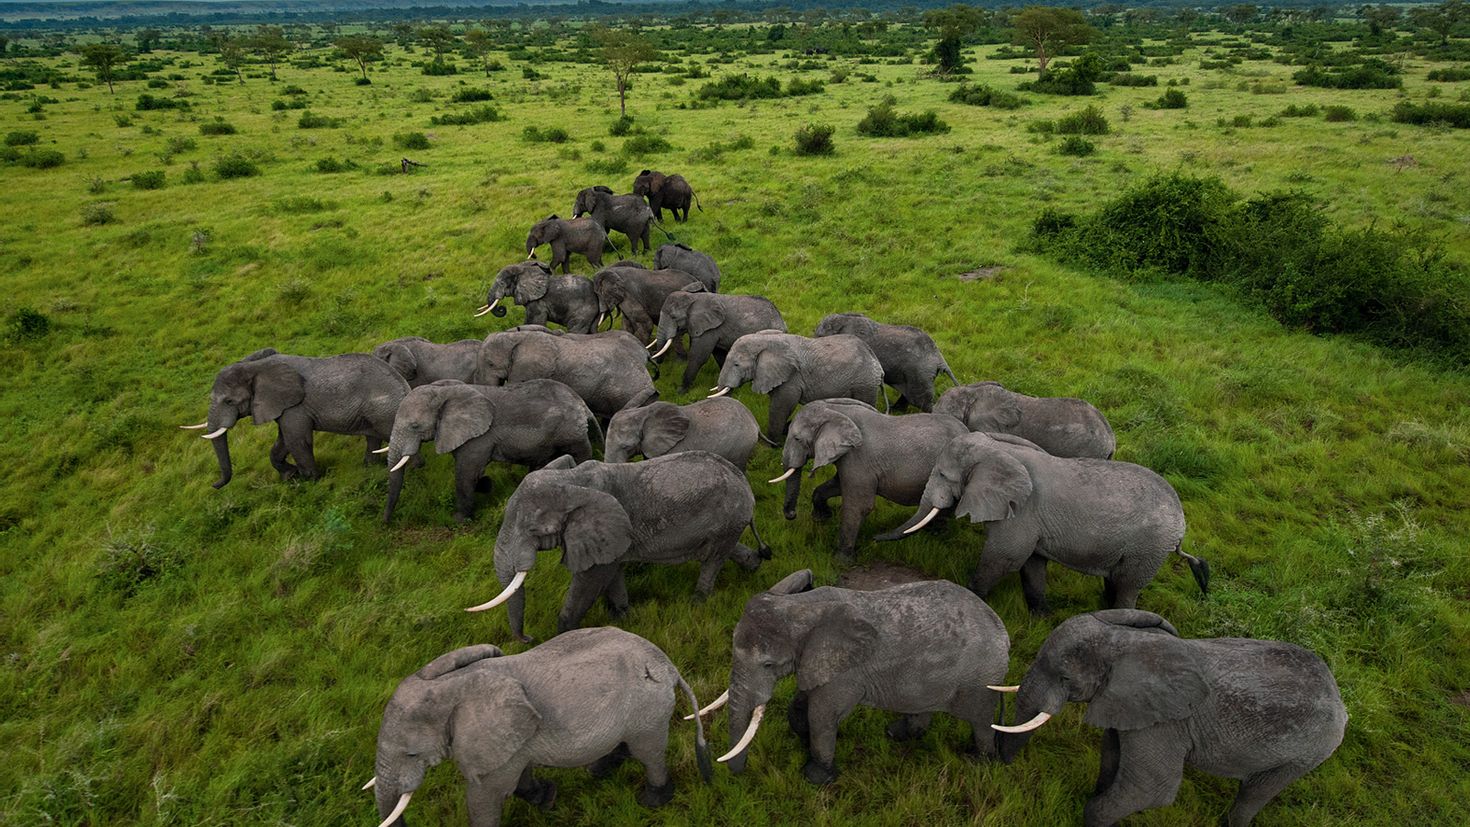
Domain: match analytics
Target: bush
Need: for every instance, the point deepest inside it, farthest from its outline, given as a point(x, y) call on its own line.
point(983, 95)
point(1336, 113)
point(1089, 121)
point(1076, 145)
point(1450, 114)
point(645, 145)
point(608, 166)
point(549, 135)
point(151, 180)
point(311, 120)
point(480, 114)
point(740, 87)
point(436, 69)
point(1450, 75)
point(42, 159)
point(216, 127)
point(235, 166)
point(22, 139)
point(281, 104)
point(1307, 111)
point(1077, 78)
point(148, 102)
point(472, 96)
point(797, 87)
point(622, 126)
point(1370, 74)
point(882, 121)
point(25, 324)
point(178, 144)
point(411, 140)
point(95, 215)
point(1128, 79)
point(293, 90)
point(330, 164)
point(1172, 99)
point(361, 81)
point(157, 83)
point(815, 139)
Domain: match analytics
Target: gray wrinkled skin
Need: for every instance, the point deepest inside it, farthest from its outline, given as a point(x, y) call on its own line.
point(528, 423)
point(499, 716)
point(713, 321)
point(627, 214)
point(638, 294)
point(909, 356)
point(421, 361)
point(579, 235)
point(914, 649)
point(690, 506)
point(566, 300)
point(1062, 426)
point(721, 426)
point(1113, 520)
point(683, 257)
point(876, 455)
point(796, 370)
point(606, 369)
point(353, 394)
point(665, 192)
point(1260, 711)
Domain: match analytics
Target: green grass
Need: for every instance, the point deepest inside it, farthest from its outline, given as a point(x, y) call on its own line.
point(172, 654)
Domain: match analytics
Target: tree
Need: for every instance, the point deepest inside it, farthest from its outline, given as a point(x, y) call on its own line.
point(1049, 30)
point(361, 48)
point(1380, 18)
point(1441, 19)
point(148, 39)
point(477, 44)
point(102, 58)
point(1240, 13)
point(439, 38)
point(954, 24)
point(232, 54)
point(270, 43)
point(622, 51)
point(4, 44)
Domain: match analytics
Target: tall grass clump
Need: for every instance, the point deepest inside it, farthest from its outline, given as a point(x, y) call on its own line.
point(1089, 121)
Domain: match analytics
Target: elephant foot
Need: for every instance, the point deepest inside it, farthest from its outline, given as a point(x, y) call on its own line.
point(818, 773)
point(482, 485)
point(542, 796)
point(1040, 610)
point(523, 637)
point(821, 513)
point(651, 796)
point(975, 754)
point(291, 473)
point(462, 518)
point(608, 764)
point(902, 730)
point(846, 556)
point(617, 610)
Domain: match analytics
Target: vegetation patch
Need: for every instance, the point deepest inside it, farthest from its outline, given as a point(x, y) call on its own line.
point(884, 121)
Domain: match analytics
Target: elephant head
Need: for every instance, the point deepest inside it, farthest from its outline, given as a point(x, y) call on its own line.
point(1129, 666)
point(526, 282)
point(257, 386)
point(766, 360)
point(648, 184)
point(821, 432)
point(399, 356)
point(651, 430)
point(612, 286)
point(443, 710)
point(985, 406)
point(587, 200)
point(681, 312)
point(979, 476)
point(545, 231)
point(448, 412)
point(855, 324)
point(664, 257)
point(523, 353)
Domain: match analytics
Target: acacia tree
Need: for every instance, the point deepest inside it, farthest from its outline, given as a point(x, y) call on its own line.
point(438, 38)
point(232, 53)
point(477, 43)
point(361, 48)
point(623, 51)
point(1049, 30)
point(271, 44)
point(1441, 19)
point(148, 39)
point(102, 58)
point(1380, 18)
point(954, 24)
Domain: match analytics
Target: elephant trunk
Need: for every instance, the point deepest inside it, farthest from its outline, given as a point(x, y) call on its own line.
point(1035, 704)
point(498, 291)
point(222, 454)
point(395, 488)
point(515, 555)
point(747, 705)
point(220, 420)
point(793, 458)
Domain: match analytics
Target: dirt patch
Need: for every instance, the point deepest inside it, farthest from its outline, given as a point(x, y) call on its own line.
point(1461, 699)
point(990, 272)
point(879, 575)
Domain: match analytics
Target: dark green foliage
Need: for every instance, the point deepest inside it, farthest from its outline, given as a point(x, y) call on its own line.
point(438, 69)
point(95, 215)
point(480, 114)
point(216, 127)
point(815, 139)
point(472, 96)
point(331, 164)
point(157, 83)
point(150, 180)
point(128, 563)
point(1309, 110)
point(1451, 114)
point(797, 87)
point(982, 95)
point(1370, 74)
point(1077, 78)
point(1172, 99)
point(235, 166)
point(311, 120)
point(645, 145)
point(548, 135)
point(42, 159)
point(147, 102)
point(608, 166)
point(411, 140)
point(22, 139)
point(25, 324)
point(293, 90)
point(1076, 145)
point(883, 121)
point(623, 126)
point(1337, 113)
point(1449, 75)
point(1129, 79)
point(1090, 121)
point(740, 87)
point(282, 104)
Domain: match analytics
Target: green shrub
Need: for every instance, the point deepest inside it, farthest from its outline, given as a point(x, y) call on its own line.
point(1450, 114)
point(22, 139)
point(882, 121)
point(1450, 75)
point(983, 95)
point(147, 102)
point(1077, 78)
point(42, 159)
point(330, 165)
point(282, 104)
point(25, 324)
point(1172, 99)
point(740, 87)
point(472, 96)
point(1128, 79)
point(440, 69)
point(645, 145)
point(480, 114)
point(1370, 74)
point(1309, 110)
point(157, 83)
point(311, 120)
point(815, 139)
point(797, 87)
point(95, 215)
point(549, 135)
point(235, 166)
point(1090, 121)
point(293, 90)
point(216, 127)
point(150, 180)
point(608, 166)
point(622, 126)
point(411, 140)
point(1337, 113)
point(1076, 145)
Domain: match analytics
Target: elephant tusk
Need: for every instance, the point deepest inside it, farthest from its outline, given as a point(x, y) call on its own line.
point(215, 433)
point(1041, 718)
point(201, 426)
point(933, 512)
point(487, 308)
point(713, 705)
point(598, 323)
point(668, 344)
point(531, 256)
point(383, 450)
point(370, 783)
point(785, 476)
point(755, 721)
point(401, 463)
point(515, 583)
point(716, 387)
point(718, 394)
point(650, 345)
point(397, 810)
point(1003, 688)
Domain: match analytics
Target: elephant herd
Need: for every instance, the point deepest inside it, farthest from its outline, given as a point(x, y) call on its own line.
point(1036, 472)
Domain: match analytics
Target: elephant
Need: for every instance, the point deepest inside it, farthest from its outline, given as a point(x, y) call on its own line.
point(689, 506)
point(666, 192)
point(352, 394)
point(914, 649)
point(1111, 519)
point(499, 716)
point(422, 362)
point(1261, 711)
point(605, 369)
point(638, 294)
point(720, 426)
point(627, 214)
point(528, 423)
point(682, 257)
point(794, 369)
point(876, 455)
point(714, 321)
point(1061, 426)
point(578, 235)
point(910, 358)
point(566, 300)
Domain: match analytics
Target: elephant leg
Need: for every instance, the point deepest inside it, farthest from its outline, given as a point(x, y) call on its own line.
point(822, 497)
point(827, 706)
point(909, 727)
point(467, 473)
point(649, 749)
point(709, 571)
point(536, 313)
point(856, 506)
point(1256, 791)
point(1033, 585)
point(537, 793)
point(699, 352)
point(1121, 592)
point(1107, 767)
point(279, 459)
point(368, 457)
point(1150, 767)
point(976, 705)
point(485, 795)
point(783, 402)
point(608, 764)
point(919, 393)
point(297, 431)
point(1001, 555)
point(796, 716)
point(586, 587)
point(616, 594)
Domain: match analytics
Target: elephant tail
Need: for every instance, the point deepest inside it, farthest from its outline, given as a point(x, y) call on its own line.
point(761, 548)
point(944, 367)
point(594, 430)
point(701, 747)
point(767, 440)
point(695, 196)
point(1198, 566)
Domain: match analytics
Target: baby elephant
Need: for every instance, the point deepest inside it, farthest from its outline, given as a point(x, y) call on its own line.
point(1061, 426)
point(565, 300)
point(528, 423)
point(579, 235)
point(421, 361)
point(915, 649)
point(796, 370)
point(910, 358)
point(713, 321)
point(499, 717)
point(720, 426)
point(1264, 712)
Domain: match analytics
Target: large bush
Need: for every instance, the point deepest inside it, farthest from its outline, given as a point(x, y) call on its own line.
point(983, 95)
point(815, 139)
point(1370, 74)
point(1450, 114)
point(883, 121)
point(1090, 121)
point(740, 87)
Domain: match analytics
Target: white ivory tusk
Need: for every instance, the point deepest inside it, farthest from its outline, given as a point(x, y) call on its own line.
point(398, 810)
point(598, 323)
point(721, 393)
point(401, 463)
point(1003, 688)
point(715, 704)
point(515, 583)
point(370, 783)
point(755, 721)
point(650, 345)
point(785, 476)
point(1041, 718)
point(664, 349)
point(201, 426)
point(216, 432)
point(933, 512)
point(383, 450)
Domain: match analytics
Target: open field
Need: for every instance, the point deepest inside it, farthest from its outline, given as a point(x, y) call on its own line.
point(171, 654)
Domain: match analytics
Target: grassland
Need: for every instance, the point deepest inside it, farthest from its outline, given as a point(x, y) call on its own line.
point(170, 654)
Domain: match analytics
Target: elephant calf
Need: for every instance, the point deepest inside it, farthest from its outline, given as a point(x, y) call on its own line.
point(565, 300)
point(608, 370)
point(578, 235)
point(1061, 426)
point(683, 257)
point(499, 716)
point(1261, 711)
point(910, 358)
point(720, 426)
point(713, 321)
point(915, 649)
point(797, 370)
point(421, 361)
point(528, 423)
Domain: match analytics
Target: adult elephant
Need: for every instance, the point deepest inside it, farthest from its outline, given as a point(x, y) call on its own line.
point(909, 356)
point(796, 370)
point(528, 423)
point(914, 649)
point(606, 369)
point(666, 192)
point(1114, 520)
point(1063, 427)
point(578, 235)
point(683, 257)
point(714, 321)
point(1261, 711)
point(499, 716)
point(876, 455)
point(421, 362)
point(720, 426)
point(628, 214)
point(353, 394)
point(638, 294)
point(690, 506)
point(566, 300)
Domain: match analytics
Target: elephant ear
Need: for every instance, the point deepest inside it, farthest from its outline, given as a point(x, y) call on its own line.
point(532, 283)
point(773, 368)
point(562, 463)
point(400, 358)
point(992, 408)
point(497, 704)
point(261, 354)
point(996, 485)
point(458, 659)
point(597, 531)
point(1135, 619)
point(278, 386)
point(836, 437)
point(794, 583)
point(663, 428)
point(463, 416)
point(1154, 677)
point(704, 316)
point(838, 642)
